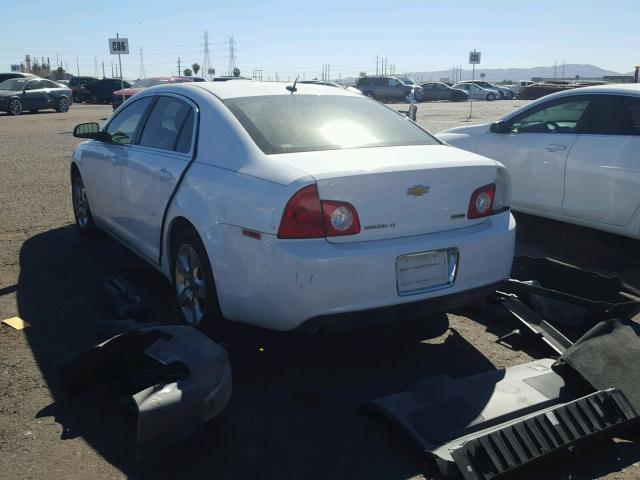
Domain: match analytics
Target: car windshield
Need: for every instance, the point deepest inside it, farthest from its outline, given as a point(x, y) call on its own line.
point(14, 84)
point(407, 81)
point(303, 123)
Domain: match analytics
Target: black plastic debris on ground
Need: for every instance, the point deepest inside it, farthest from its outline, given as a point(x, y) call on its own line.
point(570, 295)
point(174, 377)
point(121, 297)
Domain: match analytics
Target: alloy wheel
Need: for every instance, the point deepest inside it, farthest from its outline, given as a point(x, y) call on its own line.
point(190, 284)
point(63, 105)
point(80, 203)
point(15, 107)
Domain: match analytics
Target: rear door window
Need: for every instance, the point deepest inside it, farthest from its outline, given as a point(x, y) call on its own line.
point(170, 126)
point(612, 115)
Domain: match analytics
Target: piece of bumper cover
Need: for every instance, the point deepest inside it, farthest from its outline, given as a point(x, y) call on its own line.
point(450, 420)
point(175, 377)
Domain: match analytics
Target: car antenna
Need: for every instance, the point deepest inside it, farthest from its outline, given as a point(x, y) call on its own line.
point(293, 88)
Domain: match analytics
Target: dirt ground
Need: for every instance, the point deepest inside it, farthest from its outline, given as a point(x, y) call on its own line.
point(294, 411)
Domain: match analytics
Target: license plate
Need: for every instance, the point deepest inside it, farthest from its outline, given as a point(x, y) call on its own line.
point(425, 271)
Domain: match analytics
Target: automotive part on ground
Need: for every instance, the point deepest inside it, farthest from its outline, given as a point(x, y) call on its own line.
point(121, 296)
point(175, 377)
point(569, 295)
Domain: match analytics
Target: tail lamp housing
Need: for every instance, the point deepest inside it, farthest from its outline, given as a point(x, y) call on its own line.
point(306, 216)
point(481, 203)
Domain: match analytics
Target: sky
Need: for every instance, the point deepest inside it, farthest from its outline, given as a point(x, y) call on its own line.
point(296, 38)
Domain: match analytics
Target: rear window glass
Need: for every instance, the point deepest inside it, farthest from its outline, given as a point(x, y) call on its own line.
point(303, 123)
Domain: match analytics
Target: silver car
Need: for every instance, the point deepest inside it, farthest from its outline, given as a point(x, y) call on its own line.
point(478, 93)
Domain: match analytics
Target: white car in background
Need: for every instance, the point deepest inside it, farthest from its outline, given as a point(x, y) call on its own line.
point(287, 207)
point(477, 92)
point(573, 156)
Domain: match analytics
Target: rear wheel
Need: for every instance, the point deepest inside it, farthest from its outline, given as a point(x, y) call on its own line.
point(15, 106)
point(81, 210)
point(193, 281)
point(63, 105)
point(368, 93)
point(491, 97)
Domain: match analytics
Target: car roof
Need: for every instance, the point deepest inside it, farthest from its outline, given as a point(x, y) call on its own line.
point(623, 88)
point(251, 88)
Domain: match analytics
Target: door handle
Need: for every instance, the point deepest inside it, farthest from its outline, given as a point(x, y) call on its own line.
point(555, 147)
point(164, 175)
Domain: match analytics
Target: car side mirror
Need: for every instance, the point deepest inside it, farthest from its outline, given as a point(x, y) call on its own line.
point(499, 127)
point(90, 130)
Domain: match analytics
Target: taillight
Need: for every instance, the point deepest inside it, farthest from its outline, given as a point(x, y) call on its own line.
point(340, 218)
point(481, 202)
point(306, 216)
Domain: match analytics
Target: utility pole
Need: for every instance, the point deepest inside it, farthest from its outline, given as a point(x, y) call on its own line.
point(179, 67)
point(555, 68)
point(564, 63)
point(77, 66)
point(112, 74)
point(103, 75)
point(143, 73)
point(377, 57)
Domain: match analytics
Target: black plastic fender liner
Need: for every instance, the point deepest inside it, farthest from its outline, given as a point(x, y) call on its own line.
point(545, 435)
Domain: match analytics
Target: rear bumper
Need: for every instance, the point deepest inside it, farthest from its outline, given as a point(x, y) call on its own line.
point(281, 284)
point(395, 313)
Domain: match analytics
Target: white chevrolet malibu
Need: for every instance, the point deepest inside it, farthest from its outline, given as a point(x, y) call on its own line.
point(293, 206)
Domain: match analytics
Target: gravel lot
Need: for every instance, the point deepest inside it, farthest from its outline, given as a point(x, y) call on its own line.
point(294, 412)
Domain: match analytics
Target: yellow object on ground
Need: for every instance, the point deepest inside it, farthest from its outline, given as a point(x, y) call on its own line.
point(16, 322)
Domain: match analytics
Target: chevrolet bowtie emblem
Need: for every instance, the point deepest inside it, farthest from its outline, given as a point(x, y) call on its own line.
point(418, 190)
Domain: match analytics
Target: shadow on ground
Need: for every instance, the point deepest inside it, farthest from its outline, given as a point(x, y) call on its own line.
point(293, 412)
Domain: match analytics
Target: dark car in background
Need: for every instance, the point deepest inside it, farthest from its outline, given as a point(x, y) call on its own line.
point(32, 94)
point(76, 82)
point(387, 88)
point(101, 91)
point(122, 95)
point(7, 76)
point(442, 91)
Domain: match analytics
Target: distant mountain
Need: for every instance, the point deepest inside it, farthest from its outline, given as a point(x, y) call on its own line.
point(514, 74)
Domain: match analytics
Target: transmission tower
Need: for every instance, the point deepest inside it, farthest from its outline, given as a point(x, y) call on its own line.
point(206, 62)
point(232, 55)
point(143, 74)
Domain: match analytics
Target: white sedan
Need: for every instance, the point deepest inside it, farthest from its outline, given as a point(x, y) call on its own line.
point(287, 207)
point(477, 92)
point(573, 156)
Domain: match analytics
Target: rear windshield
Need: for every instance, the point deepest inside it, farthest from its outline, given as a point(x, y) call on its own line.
point(304, 123)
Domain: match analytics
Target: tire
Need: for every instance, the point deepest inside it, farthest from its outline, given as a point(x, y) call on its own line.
point(63, 105)
point(15, 106)
point(491, 97)
point(92, 99)
point(193, 281)
point(501, 95)
point(81, 210)
point(369, 93)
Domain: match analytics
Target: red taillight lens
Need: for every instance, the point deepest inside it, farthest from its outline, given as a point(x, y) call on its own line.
point(302, 217)
point(306, 216)
point(481, 202)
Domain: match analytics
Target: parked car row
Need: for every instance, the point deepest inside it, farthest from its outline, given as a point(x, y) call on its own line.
point(26, 92)
point(387, 88)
